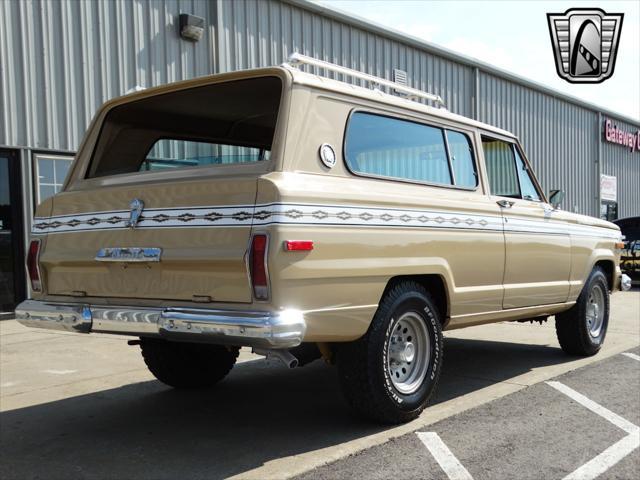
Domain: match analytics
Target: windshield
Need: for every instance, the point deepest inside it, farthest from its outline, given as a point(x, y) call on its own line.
point(226, 123)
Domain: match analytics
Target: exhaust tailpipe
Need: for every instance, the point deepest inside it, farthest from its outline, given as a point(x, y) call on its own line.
point(283, 356)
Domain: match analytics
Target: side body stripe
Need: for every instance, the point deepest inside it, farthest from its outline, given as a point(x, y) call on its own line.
point(310, 214)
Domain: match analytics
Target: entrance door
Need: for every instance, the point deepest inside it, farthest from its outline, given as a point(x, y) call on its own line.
point(12, 277)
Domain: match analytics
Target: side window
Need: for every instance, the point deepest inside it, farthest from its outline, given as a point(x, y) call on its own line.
point(390, 147)
point(501, 167)
point(461, 152)
point(527, 186)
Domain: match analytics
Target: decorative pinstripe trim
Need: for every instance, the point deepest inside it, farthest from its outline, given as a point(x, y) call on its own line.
point(150, 218)
point(307, 214)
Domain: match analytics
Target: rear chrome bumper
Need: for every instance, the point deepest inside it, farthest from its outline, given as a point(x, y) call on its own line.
point(281, 329)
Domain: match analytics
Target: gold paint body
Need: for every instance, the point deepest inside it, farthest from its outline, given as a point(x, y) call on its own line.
point(489, 276)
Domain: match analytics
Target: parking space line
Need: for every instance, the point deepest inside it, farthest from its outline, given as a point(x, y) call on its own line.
point(631, 355)
point(447, 460)
point(607, 459)
point(612, 455)
point(607, 414)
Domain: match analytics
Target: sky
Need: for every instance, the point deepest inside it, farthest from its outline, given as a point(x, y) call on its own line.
point(513, 36)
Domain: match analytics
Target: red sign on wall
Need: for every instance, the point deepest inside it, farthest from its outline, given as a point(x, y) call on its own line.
point(613, 134)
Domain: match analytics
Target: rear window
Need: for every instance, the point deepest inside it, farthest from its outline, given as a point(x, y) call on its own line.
point(172, 153)
point(226, 123)
point(381, 146)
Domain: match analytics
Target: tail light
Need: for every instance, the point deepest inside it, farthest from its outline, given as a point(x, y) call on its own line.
point(33, 266)
point(258, 260)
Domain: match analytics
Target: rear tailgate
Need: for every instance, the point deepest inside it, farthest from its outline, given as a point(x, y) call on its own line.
point(202, 242)
point(161, 207)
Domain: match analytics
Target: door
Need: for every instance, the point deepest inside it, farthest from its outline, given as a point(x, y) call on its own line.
point(12, 279)
point(537, 242)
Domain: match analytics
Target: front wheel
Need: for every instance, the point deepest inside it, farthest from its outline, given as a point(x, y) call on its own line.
point(581, 329)
point(389, 374)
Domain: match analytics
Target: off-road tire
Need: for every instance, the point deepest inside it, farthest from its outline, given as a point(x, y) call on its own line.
point(187, 365)
point(572, 326)
point(363, 367)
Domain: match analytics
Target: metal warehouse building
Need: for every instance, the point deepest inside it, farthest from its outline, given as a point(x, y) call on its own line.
point(61, 59)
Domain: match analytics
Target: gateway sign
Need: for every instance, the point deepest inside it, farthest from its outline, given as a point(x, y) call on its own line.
point(613, 134)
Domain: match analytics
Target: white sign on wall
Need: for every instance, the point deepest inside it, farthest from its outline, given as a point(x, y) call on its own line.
point(608, 188)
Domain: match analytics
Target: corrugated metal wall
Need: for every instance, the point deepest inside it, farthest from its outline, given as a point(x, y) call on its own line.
point(260, 33)
point(624, 164)
point(60, 59)
point(559, 138)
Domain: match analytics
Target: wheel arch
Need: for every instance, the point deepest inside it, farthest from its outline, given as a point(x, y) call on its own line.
point(609, 268)
point(435, 284)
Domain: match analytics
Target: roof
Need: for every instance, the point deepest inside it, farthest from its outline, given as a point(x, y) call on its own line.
point(454, 56)
point(316, 81)
point(301, 77)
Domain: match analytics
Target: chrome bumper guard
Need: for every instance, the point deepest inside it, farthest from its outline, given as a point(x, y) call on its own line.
point(625, 282)
point(281, 329)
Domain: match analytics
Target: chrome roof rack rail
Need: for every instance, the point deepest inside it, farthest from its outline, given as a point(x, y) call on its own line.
point(296, 59)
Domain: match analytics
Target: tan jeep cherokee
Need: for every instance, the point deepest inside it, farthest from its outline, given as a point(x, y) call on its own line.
point(306, 217)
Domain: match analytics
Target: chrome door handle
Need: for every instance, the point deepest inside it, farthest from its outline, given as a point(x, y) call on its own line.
point(505, 203)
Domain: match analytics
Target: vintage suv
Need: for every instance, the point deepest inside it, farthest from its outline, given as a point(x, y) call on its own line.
point(305, 217)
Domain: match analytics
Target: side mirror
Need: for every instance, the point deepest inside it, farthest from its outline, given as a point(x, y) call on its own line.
point(556, 197)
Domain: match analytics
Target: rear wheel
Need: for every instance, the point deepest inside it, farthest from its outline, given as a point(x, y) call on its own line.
point(581, 329)
point(389, 374)
point(187, 365)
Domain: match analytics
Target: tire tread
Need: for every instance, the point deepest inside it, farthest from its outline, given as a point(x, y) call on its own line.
point(354, 363)
point(572, 336)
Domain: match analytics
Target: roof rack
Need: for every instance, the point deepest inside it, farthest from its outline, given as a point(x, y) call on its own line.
point(296, 59)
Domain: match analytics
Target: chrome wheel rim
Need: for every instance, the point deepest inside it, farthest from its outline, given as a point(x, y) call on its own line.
point(595, 311)
point(408, 353)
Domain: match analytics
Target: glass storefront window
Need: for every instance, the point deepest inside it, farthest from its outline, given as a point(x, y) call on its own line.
point(51, 170)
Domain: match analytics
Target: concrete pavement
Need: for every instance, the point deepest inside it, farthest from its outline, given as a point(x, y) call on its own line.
point(86, 407)
point(535, 433)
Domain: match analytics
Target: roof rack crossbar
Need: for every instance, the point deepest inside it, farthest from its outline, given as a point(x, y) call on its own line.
point(296, 59)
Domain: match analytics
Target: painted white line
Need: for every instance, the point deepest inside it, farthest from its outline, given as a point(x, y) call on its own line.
point(631, 355)
point(447, 460)
point(607, 459)
point(60, 372)
point(614, 418)
point(612, 455)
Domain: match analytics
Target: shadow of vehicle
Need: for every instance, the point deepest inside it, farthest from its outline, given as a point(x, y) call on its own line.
point(258, 414)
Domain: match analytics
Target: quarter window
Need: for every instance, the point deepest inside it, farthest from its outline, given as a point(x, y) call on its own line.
point(527, 186)
point(462, 159)
point(390, 147)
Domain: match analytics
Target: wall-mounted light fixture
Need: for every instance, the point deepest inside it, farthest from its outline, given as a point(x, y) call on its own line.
point(191, 27)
